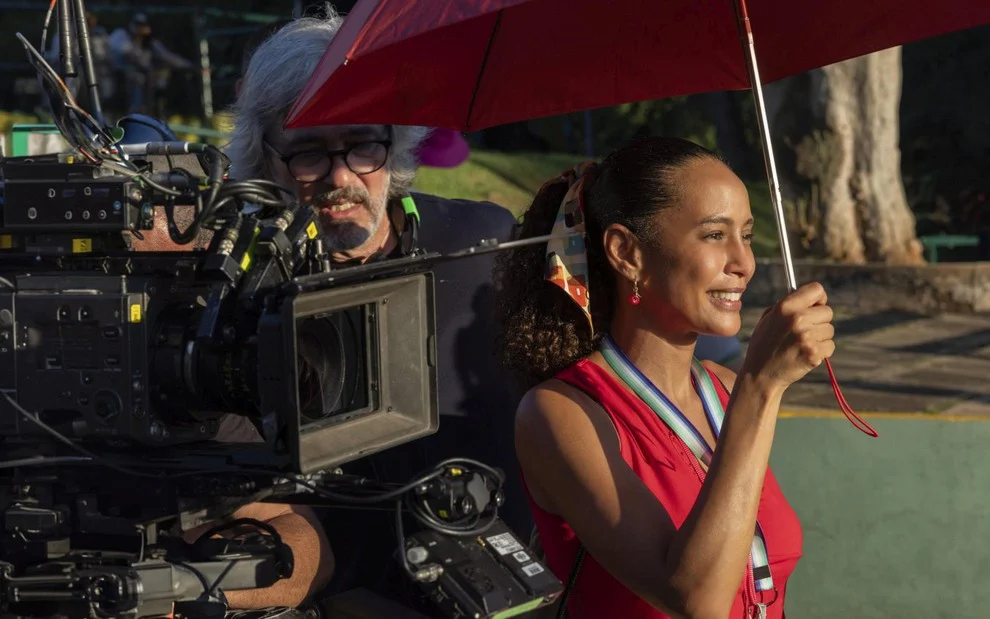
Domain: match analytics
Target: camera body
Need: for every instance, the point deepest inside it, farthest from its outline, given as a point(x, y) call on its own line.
point(103, 343)
point(117, 367)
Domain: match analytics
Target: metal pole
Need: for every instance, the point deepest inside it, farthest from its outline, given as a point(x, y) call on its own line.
point(746, 35)
point(86, 55)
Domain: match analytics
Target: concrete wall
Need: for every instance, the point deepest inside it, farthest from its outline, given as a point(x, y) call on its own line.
point(894, 527)
point(957, 287)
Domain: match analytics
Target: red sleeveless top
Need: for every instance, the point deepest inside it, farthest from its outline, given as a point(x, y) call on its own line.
point(664, 463)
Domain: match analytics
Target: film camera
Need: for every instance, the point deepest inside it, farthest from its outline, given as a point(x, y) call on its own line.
point(118, 367)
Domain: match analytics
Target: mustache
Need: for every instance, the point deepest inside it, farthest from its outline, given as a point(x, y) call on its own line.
point(354, 195)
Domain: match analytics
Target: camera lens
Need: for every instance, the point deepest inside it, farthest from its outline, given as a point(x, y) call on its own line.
point(320, 359)
point(329, 353)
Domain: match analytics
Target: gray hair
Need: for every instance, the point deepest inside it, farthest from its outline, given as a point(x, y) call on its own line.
point(275, 77)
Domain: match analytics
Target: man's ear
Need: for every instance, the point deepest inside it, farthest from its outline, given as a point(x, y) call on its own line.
point(624, 252)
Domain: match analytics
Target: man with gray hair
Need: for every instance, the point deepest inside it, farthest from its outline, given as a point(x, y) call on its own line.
point(356, 178)
point(347, 173)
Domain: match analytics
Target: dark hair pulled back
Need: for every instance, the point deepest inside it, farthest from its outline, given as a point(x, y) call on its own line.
point(541, 330)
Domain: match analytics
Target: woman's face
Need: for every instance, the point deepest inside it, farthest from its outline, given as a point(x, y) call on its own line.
point(696, 272)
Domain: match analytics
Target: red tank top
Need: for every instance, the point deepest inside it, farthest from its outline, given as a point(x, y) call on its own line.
point(664, 463)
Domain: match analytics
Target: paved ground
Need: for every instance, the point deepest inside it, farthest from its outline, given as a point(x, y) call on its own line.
point(897, 362)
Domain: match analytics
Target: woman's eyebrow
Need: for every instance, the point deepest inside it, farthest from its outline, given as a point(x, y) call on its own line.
point(724, 220)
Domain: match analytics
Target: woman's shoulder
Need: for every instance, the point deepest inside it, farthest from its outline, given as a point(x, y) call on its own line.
point(572, 382)
point(559, 419)
point(557, 400)
point(555, 392)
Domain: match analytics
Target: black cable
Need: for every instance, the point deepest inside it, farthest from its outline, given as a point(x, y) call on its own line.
point(472, 525)
point(571, 582)
point(469, 526)
point(401, 538)
point(67, 62)
point(42, 461)
point(198, 574)
point(216, 172)
point(86, 58)
point(209, 201)
point(44, 29)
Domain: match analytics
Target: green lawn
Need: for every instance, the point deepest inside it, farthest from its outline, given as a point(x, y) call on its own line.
point(511, 180)
point(506, 179)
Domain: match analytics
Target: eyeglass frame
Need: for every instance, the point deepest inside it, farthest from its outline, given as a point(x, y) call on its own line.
point(331, 154)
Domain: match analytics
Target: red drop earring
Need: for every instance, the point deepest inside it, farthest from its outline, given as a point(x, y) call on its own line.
point(635, 298)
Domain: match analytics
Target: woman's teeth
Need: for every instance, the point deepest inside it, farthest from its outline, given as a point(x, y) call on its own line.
point(728, 296)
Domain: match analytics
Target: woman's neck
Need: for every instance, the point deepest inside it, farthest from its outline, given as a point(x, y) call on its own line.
point(665, 360)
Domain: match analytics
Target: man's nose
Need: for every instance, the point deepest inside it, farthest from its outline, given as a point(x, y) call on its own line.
point(340, 175)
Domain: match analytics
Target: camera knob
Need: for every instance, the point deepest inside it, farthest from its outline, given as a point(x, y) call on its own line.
point(417, 555)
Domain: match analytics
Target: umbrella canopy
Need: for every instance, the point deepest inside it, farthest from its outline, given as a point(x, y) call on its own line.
point(471, 64)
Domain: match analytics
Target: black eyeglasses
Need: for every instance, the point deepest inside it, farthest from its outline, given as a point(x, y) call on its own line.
point(310, 166)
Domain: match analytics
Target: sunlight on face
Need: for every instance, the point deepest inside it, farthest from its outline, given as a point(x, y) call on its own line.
point(703, 258)
point(341, 172)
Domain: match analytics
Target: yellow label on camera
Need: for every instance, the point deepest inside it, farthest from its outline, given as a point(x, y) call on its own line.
point(249, 254)
point(311, 230)
point(6, 241)
point(135, 312)
point(82, 246)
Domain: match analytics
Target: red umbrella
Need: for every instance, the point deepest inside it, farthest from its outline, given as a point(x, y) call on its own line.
point(471, 64)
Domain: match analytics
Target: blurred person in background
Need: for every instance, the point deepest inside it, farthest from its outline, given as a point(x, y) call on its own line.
point(142, 63)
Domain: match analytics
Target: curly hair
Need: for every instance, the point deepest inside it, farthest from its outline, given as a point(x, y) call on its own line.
point(277, 71)
point(542, 330)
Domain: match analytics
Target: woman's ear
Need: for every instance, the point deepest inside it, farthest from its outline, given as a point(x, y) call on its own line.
point(624, 252)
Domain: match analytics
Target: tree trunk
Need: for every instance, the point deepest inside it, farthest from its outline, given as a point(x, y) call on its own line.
point(844, 184)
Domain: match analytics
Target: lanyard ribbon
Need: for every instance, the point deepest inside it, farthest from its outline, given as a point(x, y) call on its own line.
point(668, 413)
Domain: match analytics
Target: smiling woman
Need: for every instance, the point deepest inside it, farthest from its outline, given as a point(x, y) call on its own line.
point(617, 436)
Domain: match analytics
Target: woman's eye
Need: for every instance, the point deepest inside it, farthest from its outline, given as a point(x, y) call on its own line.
point(715, 236)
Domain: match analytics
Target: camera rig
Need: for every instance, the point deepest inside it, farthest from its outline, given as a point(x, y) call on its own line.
point(117, 368)
point(124, 363)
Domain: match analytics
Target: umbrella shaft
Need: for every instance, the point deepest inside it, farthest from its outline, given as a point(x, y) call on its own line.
point(749, 49)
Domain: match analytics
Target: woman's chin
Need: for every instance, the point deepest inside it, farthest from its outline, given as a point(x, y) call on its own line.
point(722, 329)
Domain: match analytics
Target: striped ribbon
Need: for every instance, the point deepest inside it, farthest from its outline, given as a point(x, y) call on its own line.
point(668, 413)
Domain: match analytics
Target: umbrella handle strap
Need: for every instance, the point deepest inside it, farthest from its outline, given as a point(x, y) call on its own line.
point(858, 422)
